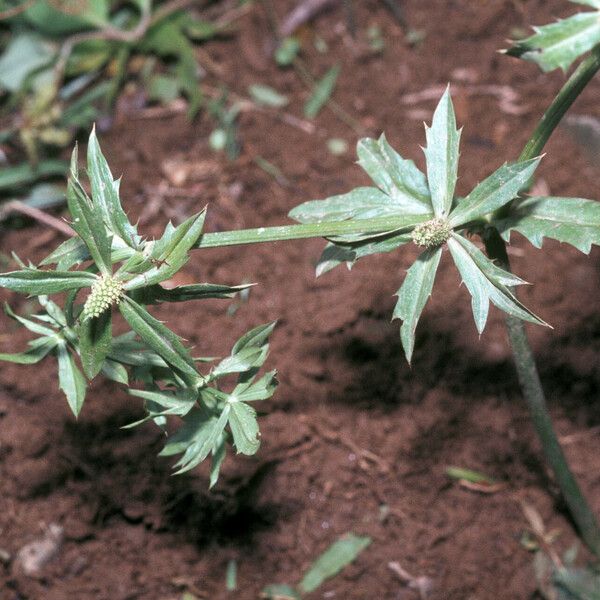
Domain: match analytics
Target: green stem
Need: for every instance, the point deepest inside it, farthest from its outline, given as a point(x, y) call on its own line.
point(527, 372)
point(309, 230)
point(533, 392)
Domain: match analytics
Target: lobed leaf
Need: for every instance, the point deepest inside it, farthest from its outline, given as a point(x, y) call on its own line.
point(105, 192)
point(201, 432)
point(253, 391)
point(400, 179)
point(486, 282)
point(160, 338)
point(441, 156)
point(559, 44)
point(413, 295)
point(244, 427)
point(495, 191)
point(574, 221)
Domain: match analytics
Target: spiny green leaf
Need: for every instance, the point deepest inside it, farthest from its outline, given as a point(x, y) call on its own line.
point(413, 296)
point(68, 254)
point(170, 403)
point(335, 254)
point(71, 380)
point(340, 554)
point(170, 252)
point(252, 391)
point(200, 434)
point(360, 203)
point(95, 337)
point(244, 427)
point(482, 280)
point(560, 44)
point(441, 155)
point(495, 191)
point(196, 291)
point(37, 282)
point(574, 221)
point(87, 220)
point(160, 338)
point(105, 193)
point(321, 93)
point(398, 178)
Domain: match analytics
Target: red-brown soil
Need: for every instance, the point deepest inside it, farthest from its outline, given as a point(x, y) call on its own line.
point(352, 429)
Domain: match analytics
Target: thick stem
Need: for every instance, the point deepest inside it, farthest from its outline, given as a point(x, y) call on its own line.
point(533, 392)
point(309, 230)
point(529, 378)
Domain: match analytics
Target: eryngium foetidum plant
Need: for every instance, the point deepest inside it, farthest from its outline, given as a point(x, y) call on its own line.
point(108, 265)
point(440, 219)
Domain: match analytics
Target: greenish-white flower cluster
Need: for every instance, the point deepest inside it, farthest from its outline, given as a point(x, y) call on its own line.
point(105, 292)
point(431, 234)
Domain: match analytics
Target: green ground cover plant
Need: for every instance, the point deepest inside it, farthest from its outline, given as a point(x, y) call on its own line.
point(63, 63)
point(109, 265)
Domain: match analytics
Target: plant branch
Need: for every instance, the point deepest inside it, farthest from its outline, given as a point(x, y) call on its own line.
point(533, 392)
point(527, 372)
point(15, 10)
point(308, 230)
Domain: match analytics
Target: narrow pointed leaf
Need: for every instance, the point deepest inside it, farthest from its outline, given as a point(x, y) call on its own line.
point(95, 337)
point(29, 324)
point(197, 291)
point(559, 44)
point(340, 554)
point(413, 295)
point(37, 282)
point(574, 221)
point(321, 93)
point(171, 253)
point(398, 178)
point(90, 227)
point(441, 155)
point(335, 254)
point(105, 193)
point(32, 355)
point(178, 403)
point(71, 380)
point(480, 277)
point(160, 338)
point(244, 427)
point(115, 371)
point(218, 456)
point(255, 338)
point(498, 189)
point(70, 253)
